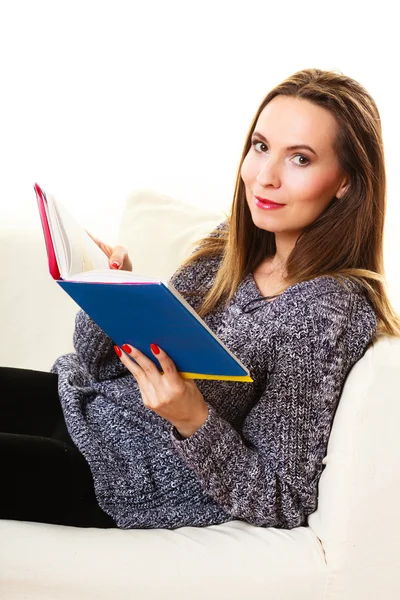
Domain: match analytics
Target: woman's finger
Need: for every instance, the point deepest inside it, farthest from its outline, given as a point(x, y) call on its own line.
point(117, 256)
point(106, 248)
point(95, 239)
point(144, 367)
point(168, 367)
point(167, 364)
point(132, 366)
point(119, 259)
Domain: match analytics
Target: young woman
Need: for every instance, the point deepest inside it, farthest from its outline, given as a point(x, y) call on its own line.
point(293, 283)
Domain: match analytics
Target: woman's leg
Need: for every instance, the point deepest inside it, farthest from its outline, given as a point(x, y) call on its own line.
point(43, 475)
point(47, 481)
point(29, 402)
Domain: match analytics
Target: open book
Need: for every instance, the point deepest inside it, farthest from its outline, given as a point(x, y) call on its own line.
point(129, 308)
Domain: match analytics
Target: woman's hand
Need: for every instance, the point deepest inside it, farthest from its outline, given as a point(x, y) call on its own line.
point(118, 255)
point(177, 400)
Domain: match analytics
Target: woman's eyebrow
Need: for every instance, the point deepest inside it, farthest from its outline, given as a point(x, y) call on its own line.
point(296, 147)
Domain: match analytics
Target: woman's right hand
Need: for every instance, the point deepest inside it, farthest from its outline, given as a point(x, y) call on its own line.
point(117, 256)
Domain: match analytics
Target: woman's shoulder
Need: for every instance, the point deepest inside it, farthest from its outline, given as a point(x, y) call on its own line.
point(326, 291)
point(326, 307)
point(347, 294)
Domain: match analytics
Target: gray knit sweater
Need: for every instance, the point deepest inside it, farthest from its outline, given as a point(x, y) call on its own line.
point(258, 457)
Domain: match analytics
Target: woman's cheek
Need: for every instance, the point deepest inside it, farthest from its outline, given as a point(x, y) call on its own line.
point(244, 171)
point(306, 187)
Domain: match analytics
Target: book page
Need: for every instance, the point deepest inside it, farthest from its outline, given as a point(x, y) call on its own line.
point(75, 250)
point(114, 276)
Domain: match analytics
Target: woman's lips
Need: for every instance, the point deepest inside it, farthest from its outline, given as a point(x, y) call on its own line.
point(267, 204)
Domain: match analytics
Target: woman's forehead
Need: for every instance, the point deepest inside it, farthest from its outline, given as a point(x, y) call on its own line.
point(288, 121)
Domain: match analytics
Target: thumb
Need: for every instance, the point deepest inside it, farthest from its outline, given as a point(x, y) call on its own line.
point(117, 257)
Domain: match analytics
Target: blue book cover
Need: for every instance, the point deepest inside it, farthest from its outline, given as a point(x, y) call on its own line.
point(129, 308)
point(144, 313)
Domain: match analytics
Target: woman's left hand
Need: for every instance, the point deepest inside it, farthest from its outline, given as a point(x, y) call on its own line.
point(177, 400)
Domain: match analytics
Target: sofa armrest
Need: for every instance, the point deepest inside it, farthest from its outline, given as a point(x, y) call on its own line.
point(36, 317)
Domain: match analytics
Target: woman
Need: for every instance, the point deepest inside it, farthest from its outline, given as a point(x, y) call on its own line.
point(293, 284)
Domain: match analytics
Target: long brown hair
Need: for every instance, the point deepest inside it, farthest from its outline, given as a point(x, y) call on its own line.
point(346, 240)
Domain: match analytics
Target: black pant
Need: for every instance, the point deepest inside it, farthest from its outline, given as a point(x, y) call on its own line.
point(43, 475)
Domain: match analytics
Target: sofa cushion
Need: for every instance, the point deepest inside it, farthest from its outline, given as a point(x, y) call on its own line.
point(232, 561)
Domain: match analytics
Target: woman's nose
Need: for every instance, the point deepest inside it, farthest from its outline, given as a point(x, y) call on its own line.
point(269, 174)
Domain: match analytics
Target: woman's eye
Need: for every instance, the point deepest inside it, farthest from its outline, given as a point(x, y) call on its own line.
point(300, 156)
point(255, 142)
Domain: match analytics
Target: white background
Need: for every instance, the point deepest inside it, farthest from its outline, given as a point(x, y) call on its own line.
point(99, 98)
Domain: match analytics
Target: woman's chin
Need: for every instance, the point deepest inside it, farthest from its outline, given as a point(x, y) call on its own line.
point(263, 222)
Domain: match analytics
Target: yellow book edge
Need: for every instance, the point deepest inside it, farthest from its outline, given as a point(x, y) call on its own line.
point(216, 377)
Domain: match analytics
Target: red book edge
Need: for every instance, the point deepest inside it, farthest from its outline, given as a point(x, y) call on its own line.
point(42, 203)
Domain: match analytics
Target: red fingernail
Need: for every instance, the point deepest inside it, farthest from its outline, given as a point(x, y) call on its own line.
point(115, 265)
point(155, 348)
point(126, 348)
point(118, 350)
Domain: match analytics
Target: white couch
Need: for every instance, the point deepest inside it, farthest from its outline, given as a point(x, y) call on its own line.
point(350, 548)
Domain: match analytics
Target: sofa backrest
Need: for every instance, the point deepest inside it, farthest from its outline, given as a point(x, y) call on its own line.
point(160, 231)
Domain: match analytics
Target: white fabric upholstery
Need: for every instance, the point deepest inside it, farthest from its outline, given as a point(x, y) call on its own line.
point(232, 561)
point(348, 551)
point(358, 518)
point(160, 232)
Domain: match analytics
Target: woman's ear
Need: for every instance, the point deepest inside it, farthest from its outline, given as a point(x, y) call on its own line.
point(343, 188)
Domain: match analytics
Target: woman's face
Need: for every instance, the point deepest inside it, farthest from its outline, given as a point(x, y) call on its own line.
point(304, 179)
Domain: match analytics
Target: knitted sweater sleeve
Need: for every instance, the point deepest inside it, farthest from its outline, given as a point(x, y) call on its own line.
point(268, 473)
point(94, 350)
